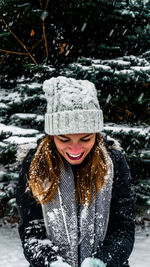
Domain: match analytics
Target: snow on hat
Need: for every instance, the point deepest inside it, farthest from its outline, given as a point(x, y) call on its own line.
point(72, 107)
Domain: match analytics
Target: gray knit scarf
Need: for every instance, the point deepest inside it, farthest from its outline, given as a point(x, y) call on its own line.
point(78, 229)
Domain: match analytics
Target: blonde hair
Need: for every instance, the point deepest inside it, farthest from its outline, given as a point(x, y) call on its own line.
point(44, 173)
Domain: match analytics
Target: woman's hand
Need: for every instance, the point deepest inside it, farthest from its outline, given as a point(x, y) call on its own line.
point(93, 262)
point(59, 263)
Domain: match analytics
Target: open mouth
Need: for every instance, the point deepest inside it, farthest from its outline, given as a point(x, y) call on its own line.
point(75, 157)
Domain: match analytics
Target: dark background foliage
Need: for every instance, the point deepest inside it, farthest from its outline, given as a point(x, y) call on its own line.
point(91, 28)
point(105, 41)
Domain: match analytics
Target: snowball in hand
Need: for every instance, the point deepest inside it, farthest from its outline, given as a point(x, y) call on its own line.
point(92, 262)
point(59, 263)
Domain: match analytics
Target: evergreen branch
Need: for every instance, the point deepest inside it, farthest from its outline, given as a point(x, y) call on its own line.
point(20, 42)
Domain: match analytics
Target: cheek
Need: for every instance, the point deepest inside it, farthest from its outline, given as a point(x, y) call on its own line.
point(88, 147)
point(61, 147)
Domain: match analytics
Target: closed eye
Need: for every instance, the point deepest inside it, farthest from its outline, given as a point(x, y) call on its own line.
point(86, 140)
point(64, 140)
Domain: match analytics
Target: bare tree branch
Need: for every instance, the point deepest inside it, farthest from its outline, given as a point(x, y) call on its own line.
point(34, 46)
point(12, 52)
point(47, 2)
point(41, 4)
point(20, 42)
point(3, 58)
point(45, 39)
point(43, 28)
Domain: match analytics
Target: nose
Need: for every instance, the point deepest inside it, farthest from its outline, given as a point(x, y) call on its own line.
point(75, 148)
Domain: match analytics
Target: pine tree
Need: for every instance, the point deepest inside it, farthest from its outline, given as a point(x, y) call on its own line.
point(104, 41)
point(58, 31)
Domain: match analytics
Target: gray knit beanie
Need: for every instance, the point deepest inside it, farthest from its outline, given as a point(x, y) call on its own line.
point(72, 107)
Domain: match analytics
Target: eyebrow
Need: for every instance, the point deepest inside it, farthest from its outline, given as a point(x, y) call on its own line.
point(68, 137)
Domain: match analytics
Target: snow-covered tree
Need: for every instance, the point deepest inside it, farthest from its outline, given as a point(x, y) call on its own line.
point(58, 31)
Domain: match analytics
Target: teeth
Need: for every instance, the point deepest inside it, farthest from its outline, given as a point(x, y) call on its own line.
point(74, 156)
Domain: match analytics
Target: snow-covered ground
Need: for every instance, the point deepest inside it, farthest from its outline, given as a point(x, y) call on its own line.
point(140, 256)
point(11, 254)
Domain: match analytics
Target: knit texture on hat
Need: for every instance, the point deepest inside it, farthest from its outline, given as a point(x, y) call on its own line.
point(72, 107)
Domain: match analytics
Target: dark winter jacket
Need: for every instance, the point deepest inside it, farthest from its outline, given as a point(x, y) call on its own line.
point(118, 244)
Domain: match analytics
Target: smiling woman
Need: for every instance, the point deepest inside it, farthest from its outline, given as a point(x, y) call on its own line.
point(74, 147)
point(73, 194)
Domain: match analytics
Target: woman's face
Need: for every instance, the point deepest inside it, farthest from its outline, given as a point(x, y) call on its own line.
point(74, 147)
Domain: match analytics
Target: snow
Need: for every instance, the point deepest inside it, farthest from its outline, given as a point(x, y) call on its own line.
point(127, 12)
point(3, 144)
point(126, 129)
point(102, 67)
point(4, 106)
point(24, 116)
point(11, 97)
point(126, 67)
point(32, 85)
point(141, 69)
point(85, 68)
point(135, 2)
point(17, 130)
point(124, 72)
point(22, 140)
point(11, 254)
point(117, 62)
point(83, 27)
point(140, 255)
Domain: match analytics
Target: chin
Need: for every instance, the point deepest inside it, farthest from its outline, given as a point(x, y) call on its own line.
point(75, 163)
